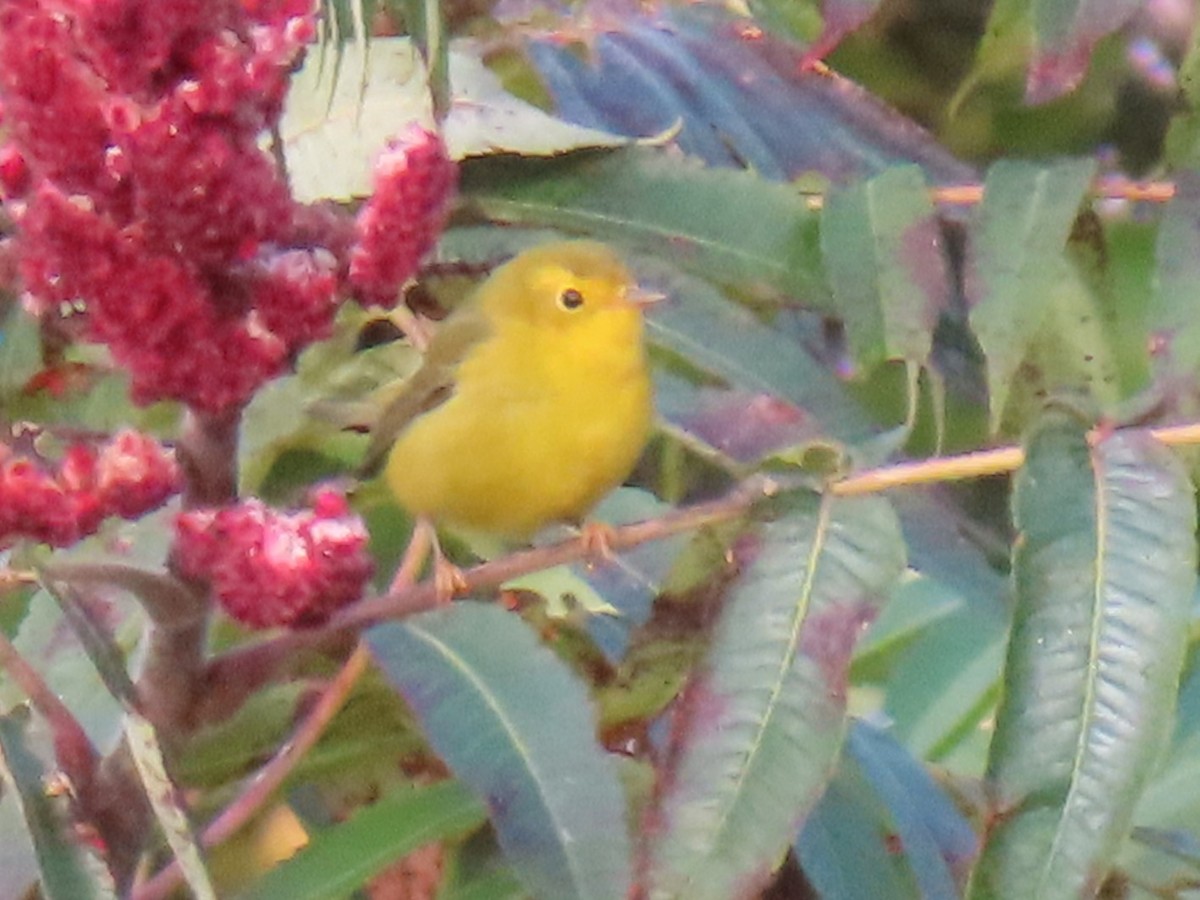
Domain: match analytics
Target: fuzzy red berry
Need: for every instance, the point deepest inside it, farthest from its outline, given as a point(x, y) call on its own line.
point(400, 223)
point(14, 173)
point(141, 194)
point(269, 568)
point(127, 476)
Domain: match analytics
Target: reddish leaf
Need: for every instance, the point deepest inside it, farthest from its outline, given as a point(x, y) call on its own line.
point(1065, 32)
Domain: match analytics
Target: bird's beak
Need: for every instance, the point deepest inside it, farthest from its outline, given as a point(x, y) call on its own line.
point(641, 298)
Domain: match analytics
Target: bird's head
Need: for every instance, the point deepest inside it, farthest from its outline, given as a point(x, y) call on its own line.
point(565, 284)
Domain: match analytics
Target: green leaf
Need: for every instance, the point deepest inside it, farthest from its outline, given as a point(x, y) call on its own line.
point(477, 871)
point(1173, 319)
point(1016, 266)
point(1183, 845)
point(938, 842)
point(881, 800)
point(333, 128)
point(842, 847)
point(103, 652)
point(1065, 33)
point(1105, 572)
point(882, 246)
point(487, 119)
point(140, 736)
point(18, 858)
point(732, 96)
point(732, 227)
point(1183, 137)
point(765, 718)
point(20, 349)
point(227, 750)
point(427, 26)
point(151, 767)
point(492, 886)
point(917, 605)
point(765, 366)
point(841, 17)
point(67, 869)
point(946, 683)
point(47, 639)
point(515, 726)
point(341, 859)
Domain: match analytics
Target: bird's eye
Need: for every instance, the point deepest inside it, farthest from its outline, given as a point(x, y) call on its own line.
point(570, 299)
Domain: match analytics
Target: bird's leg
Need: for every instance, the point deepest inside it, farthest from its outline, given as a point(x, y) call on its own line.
point(597, 540)
point(448, 579)
point(423, 538)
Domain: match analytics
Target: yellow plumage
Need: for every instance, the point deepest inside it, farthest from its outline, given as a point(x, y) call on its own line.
point(534, 399)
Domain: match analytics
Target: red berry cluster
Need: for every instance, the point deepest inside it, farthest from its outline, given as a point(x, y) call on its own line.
point(268, 568)
point(400, 223)
point(138, 185)
point(128, 476)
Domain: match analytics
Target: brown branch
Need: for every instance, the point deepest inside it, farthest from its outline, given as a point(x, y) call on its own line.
point(207, 453)
point(491, 575)
point(235, 675)
point(1106, 188)
point(998, 461)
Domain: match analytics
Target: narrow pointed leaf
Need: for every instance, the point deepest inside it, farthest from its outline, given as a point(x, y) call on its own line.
point(341, 859)
point(18, 859)
point(938, 842)
point(1182, 148)
point(884, 828)
point(882, 246)
point(46, 637)
point(1105, 572)
point(515, 726)
point(734, 227)
point(764, 721)
point(333, 128)
point(167, 804)
point(1065, 33)
point(843, 845)
point(428, 28)
point(1173, 319)
point(1016, 263)
point(68, 870)
point(97, 643)
point(841, 18)
point(734, 96)
point(1183, 845)
point(140, 735)
point(724, 340)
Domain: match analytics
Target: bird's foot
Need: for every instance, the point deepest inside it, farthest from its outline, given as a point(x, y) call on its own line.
point(597, 540)
point(448, 580)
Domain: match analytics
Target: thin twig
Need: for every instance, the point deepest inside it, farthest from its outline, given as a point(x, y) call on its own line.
point(998, 461)
point(270, 776)
point(166, 600)
point(398, 604)
point(1107, 188)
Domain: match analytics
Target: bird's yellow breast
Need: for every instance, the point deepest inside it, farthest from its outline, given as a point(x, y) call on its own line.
point(541, 424)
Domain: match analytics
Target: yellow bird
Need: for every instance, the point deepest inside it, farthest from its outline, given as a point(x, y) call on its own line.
point(533, 400)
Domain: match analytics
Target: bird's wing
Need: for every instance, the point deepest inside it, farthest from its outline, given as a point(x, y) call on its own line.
point(429, 387)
